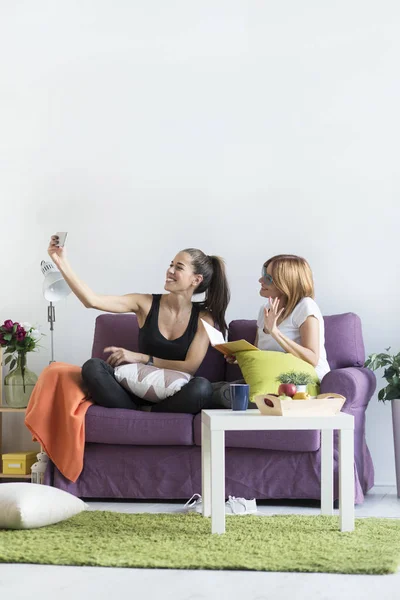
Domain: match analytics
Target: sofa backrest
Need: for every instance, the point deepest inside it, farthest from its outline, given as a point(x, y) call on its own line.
point(123, 331)
point(343, 341)
point(343, 338)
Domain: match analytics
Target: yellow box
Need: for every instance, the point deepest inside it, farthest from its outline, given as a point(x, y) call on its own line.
point(18, 463)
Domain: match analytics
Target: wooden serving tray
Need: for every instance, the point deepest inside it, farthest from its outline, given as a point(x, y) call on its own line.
point(324, 404)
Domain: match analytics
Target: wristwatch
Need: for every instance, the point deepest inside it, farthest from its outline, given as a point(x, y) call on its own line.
point(150, 362)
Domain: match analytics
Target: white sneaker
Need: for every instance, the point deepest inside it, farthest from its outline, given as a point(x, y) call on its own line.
point(240, 506)
point(233, 506)
point(194, 504)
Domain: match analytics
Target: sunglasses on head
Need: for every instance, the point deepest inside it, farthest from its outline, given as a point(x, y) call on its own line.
point(266, 276)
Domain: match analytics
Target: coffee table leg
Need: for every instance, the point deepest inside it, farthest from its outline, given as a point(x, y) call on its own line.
point(346, 479)
point(327, 472)
point(217, 482)
point(206, 469)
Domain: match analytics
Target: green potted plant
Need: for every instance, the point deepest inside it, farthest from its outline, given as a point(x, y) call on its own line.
point(298, 379)
point(390, 393)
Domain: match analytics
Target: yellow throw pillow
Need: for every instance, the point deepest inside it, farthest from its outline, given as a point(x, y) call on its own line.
point(261, 368)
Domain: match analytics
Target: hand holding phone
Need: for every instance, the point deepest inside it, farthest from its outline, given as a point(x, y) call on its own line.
point(62, 236)
point(56, 249)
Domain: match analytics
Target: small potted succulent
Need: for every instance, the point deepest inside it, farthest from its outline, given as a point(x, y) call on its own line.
point(293, 382)
point(390, 393)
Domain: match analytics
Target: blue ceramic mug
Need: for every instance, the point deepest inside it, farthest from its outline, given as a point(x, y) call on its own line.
point(239, 396)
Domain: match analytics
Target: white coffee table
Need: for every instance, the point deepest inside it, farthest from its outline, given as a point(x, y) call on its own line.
point(214, 423)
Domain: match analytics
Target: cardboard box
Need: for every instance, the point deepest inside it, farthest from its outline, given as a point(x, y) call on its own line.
point(18, 463)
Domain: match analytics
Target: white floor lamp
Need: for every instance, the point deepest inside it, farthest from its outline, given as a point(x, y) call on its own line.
point(55, 288)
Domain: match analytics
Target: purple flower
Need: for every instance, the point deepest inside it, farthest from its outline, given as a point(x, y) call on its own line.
point(8, 325)
point(20, 333)
point(2, 340)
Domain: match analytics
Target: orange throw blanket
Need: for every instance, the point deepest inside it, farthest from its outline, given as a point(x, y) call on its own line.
point(56, 416)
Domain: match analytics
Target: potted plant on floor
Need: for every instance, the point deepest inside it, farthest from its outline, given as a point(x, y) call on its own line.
point(391, 392)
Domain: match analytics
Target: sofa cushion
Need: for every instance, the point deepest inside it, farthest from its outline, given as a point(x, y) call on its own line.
point(123, 331)
point(239, 329)
point(151, 383)
point(135, 428)
point(292, 441)
point(261, 369)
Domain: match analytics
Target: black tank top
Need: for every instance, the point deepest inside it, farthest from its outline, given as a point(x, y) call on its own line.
point(152, 342)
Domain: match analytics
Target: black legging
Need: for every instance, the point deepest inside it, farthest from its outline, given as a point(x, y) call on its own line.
point(105, 390)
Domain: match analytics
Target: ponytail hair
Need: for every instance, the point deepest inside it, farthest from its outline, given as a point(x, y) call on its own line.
point(214, 284)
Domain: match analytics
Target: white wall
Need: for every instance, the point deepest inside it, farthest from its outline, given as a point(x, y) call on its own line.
point(246, 128)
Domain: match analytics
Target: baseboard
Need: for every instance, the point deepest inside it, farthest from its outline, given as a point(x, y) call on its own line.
point(384, 484)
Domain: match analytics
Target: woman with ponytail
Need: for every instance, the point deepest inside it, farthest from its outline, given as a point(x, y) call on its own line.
point(170, 333)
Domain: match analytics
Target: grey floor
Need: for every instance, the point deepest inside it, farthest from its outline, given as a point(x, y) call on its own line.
point(59, 583)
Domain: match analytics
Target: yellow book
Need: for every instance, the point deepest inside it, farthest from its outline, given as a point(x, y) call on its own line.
point(217, 341)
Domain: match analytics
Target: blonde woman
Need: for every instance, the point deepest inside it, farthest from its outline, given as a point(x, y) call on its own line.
point(290, 319)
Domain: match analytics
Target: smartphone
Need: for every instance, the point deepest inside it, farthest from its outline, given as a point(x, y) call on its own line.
point(62, 236)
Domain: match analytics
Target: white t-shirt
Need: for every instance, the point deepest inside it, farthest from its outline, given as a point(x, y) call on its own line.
point(290, 327)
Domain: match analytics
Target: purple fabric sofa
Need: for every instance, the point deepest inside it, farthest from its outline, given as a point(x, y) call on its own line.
point(142, 455)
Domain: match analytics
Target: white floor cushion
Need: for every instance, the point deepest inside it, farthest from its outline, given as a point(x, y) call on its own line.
point(30, 505)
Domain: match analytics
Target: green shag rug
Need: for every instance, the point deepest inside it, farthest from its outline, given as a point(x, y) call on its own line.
point(184, 541)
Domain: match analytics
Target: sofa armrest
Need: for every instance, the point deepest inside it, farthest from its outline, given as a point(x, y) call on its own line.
point(356, 384)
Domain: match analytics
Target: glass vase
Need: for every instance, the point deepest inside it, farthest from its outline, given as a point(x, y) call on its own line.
point(19, 383)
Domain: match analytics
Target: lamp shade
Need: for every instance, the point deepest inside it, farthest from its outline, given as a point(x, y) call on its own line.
point(55, 287)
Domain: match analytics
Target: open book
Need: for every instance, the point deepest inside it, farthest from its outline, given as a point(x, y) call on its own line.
point(217, 341)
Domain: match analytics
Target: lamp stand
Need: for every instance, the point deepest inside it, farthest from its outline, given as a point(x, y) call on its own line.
point(51, 317)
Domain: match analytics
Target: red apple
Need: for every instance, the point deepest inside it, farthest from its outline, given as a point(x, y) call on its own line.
point(287, 389)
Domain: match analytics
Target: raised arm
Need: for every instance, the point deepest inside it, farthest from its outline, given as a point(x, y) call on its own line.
point(308, 349)
point(114, 304)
